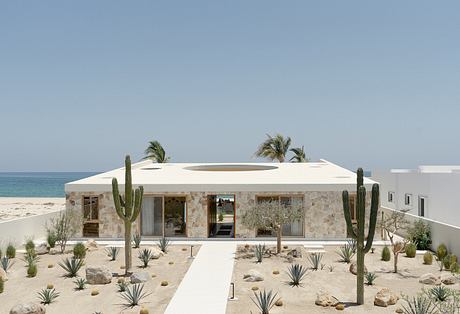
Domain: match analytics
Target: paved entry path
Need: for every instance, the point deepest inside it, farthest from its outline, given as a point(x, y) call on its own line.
point(205, 287)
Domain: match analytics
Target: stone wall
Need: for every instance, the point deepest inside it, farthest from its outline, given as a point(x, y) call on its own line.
point(323, 213)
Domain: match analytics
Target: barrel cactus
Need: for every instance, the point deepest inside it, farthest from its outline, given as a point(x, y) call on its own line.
point(358, 232)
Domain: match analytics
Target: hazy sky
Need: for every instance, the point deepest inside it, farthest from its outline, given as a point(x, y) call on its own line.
point(360, 83)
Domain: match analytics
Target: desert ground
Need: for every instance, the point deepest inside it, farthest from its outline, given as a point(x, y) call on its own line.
point(171, 268)
point(16, 207)
point(339, 282)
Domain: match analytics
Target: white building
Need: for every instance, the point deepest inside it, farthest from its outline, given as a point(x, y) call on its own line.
point(428, 191)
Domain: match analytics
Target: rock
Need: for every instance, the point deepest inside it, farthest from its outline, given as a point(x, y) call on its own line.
point(399, 310)
point(3, 274)
point(97, 275)
point(354, 268)
point(325, 299)
point(41, 249)
point(449, 279)
point(91, 245)
point(340, 307)
point(139, 277)
point(28, 308)
point(54, 251)
point(296, 253)
point(385, 297)
point(157, 253)
point(429, 279)
point(252, 276)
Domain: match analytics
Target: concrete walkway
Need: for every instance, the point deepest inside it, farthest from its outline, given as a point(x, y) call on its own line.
point(206, 284)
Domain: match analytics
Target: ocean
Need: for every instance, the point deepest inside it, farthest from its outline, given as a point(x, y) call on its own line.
point(37, 184)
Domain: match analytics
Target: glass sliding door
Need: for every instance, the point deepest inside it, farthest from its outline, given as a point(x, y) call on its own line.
point(294, 229)
point(152, 216)
point(175, 216)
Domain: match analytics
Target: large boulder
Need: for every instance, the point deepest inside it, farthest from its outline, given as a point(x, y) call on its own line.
point(156, 253)
point(3, 274)
point(354, 268)
point(430, 279)
point(41, 249)
point(98, 275)
point(325, 299)
point(449, 279)
point(139, 277)
point(91, 245)
point(28, 308)
point(252, 276)
point(385, 297)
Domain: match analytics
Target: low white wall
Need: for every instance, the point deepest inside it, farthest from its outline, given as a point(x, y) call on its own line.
point(18, 230)
point(440, 232)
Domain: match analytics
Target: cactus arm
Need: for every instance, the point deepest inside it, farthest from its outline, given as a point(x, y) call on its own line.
point(361, 212)
point(137, 203)
point(346, 213)
point(360, 177)
point(373, 217)
point(128, 188)
point(116, 198)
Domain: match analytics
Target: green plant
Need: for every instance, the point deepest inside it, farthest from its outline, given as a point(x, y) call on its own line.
point(427, 258)
point(358, 233)
point(145, 256)
point(51, 238)
point(2, 285)
point(122, 286)
point(418, 305)
point(0, 253)
point(370, 277)
point(259, 251)
point(440, 293)
point(264, 301)
point(156, 152)
point(71, 266)
point(163, 244)
point(299, 155)
point(220, 217)
point(386, 254)
point(30, 245)
point(411, 250)
point(352, 244)
point(32, 270)
point(47, 296)
point(315, 260)
point(441, 252)
point(134, 295)
point(80, 283)
point(30, 258)
point(11, 251)
point(454, 268)
point(420, 234)
point(64, 226)
point(112, 252)
point(274, 147)
point(296, 274)
point(79, 251)
point(331, 268)
point(128, 208)
point(6, 263)
point(137, 239)
point(346, 253)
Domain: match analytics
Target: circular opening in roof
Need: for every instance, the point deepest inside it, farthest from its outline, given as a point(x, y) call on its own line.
point(150, 168)
point(230, 168)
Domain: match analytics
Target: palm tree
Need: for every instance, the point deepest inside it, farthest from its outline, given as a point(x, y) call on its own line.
point(299, 154)
point(274, 147)
point(156, 152)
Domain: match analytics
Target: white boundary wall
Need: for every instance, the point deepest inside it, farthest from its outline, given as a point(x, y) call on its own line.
point(20, 229)
point(440, 232)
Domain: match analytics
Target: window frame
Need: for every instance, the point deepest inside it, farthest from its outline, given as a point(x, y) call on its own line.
point(391, 197)
point(91, 210)
point(408, 199)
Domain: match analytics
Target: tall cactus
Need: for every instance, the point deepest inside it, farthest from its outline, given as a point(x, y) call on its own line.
point(358, 232)
point(128, 208)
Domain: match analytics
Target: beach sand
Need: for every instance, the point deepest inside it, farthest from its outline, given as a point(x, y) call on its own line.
point(16, 207)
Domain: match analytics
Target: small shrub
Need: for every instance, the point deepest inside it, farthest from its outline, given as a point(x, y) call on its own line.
point(427, 258)
point(411, 250)
point(259, 251)
point(79, 251)
point(134, 295)
point(32, 270)
point(47, 296)
point(315, 260)
point(80, 283)
point(386, 254)
point(112, 252)
point(331, 268)
point(448, 260)
point(420, 234)
point(440, 293)
point(296, 274)
point(71, 266)
point(30, 245)
point(454, 268)
point(264, 300)
point(51, 239)
point(6, 263)
point(31, 258)
point(346, 253)
point(122, 285)
point(10, 251)
point(441, 252)
point(145, 256)
point(137, 238)
point(2, 285)
point(163, 244)
point(370, 278)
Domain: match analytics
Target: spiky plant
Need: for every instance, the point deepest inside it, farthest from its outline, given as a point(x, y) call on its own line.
point(274, 148)
point(418, 305)
point(346, 253)
point(122, 286)
point(370, 278)
point(112, 252)
point(32, 270)
point(296, 274)
point(299, 155)
point(163, 244)
point(6, 263)
point(71, 266)
point(259, 251)
point(315, 260)
point(30, 258)
point(80, 283)
point(47, 296)
point(156, 152)
point(264, 300)
point(10, 251)
point(137, 238)
point(145, 256)
point(352, 244)
point(440, 293)
point(134, 295)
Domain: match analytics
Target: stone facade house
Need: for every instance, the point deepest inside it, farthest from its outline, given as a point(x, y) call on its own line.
point(207, 200)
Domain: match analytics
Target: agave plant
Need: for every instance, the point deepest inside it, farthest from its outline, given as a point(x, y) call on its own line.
point(112, 252)
point(370, 278)
point(259, 251)
point(315, 260)
point(122, 286)
point(163, 244)
point(71, 266)
point(47, 296)
point(353, 244)
point(346, 253)
point(134, 294)
point(80, 283)
point(296, 274)
point(264, 301)
point(418, 305)
point(137, 238)
point(145, 256)
point(6, 263)
point(30, 258)
point(440, 293)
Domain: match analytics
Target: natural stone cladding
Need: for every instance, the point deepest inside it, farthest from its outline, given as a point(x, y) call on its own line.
point(323, 213)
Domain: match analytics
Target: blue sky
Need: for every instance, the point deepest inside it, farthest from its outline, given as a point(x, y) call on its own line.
point(360, 83)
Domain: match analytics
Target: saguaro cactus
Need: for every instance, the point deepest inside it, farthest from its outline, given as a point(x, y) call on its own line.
point(358, 232)
point(128, 208)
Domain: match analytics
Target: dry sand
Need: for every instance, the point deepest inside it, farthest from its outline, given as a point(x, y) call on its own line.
point(19, 288)
point(340, 282)
point(16, 207)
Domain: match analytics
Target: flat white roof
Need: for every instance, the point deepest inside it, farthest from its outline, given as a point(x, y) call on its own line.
point(227, 177)
point(430, 169)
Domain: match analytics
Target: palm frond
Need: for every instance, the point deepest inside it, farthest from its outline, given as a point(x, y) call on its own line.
point(156, 152)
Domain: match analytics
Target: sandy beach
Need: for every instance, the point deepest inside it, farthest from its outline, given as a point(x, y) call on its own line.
point(16, 207)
